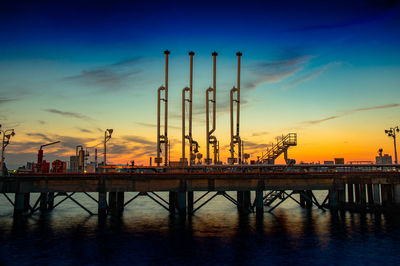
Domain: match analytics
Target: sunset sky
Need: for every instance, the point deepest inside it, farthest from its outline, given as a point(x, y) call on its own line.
point(328, 71)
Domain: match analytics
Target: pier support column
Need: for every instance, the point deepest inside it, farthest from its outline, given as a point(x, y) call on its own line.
point(50, 201)
point(102, 208)
point(370, 194)
point(247, 200)
point(377, 194)
point(43, 201)
point(302, 199)
point(363, 194)
point(120, 202)
point(244, 201)
point(112, 203)
point(386, 190)
point(333, 199)
point(181, 203)
point(190, 197)
point(308, 199)
point(172, 201)
point(350, 193)
point(397, 194)
point(357, 193)
point(18, 204)
point(27, 197)
point(341, 194)
point(239, 199)
point(259, 203)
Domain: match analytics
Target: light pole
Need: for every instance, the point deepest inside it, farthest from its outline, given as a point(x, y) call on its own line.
point(7, 134)
point(392, 133)
point(107, 137)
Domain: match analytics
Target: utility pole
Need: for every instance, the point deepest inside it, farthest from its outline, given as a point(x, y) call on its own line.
point(7, 134)
point(392, 133)
point(107, 137)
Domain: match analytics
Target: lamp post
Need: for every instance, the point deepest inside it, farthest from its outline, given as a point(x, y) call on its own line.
point(392, 133)
point(107, 137)
point(7, 134)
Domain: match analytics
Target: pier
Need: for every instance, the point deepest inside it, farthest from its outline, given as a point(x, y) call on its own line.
point(258, 189)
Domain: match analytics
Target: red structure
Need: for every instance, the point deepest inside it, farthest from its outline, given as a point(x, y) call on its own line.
point(43, 167)
point(58, 166)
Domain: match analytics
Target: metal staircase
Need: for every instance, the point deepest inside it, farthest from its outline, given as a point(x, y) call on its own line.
point(271, 197)
point(280, 147)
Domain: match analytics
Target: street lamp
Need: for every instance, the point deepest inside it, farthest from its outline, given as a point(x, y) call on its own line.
point(7, 134)
point(392, 133)
point(107, 137)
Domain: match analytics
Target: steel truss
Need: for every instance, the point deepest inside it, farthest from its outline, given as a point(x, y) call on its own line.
point(152, 195)
point(282, 196)
point(8, 198)
point(222, 193)
point(35, 207)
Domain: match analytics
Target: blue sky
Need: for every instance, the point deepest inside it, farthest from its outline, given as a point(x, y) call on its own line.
point(70, 69)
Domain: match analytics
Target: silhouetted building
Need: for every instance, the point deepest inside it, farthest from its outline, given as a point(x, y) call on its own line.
point(73, 164)
point(339, 160)
point(385, 159)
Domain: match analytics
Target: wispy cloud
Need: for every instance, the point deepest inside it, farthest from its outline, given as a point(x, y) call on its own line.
point(42, 122)
point(314, 122)
point(6, 100)
point(261, 133)
point(275, 71)
point(39, 135)
point(311, 75)
point(154, 125)
point(140, 140)
point(253, 146)
point(67, 144)
point(68, 114)
point(72, 142)
point(133, 146)
point(109, 77)
point(84, 130)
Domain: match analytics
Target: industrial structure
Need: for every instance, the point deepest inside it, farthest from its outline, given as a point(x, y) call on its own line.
point(276, 149)
point(237, 155)
point(235, 136)
point(42, 166)
point(162, 139)
point(211, 140)
point(260, 187)
point(193, 145)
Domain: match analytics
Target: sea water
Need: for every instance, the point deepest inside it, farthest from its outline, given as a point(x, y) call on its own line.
point(147, 234)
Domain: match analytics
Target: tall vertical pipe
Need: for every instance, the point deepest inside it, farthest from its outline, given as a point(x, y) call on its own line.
point(238, 54)
point(191, 54)
point(184, 123)
point(235, 136)
point(189, 136)
point(158, 158)
point(105, 149)
point(163, 138)
point(207, 159)
point(214, 54)
point(209, 138)
point(166, 52)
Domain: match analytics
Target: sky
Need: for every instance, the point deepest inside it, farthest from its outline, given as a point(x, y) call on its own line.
point(326, 70)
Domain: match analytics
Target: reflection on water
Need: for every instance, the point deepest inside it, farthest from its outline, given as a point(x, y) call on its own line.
point(217, 234)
